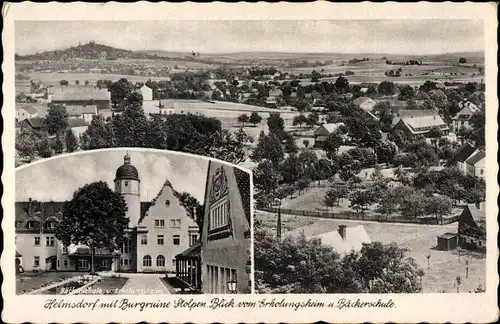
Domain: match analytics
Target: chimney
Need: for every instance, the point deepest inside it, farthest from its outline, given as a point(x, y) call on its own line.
point(194, 213)
point(342, 231)
point(480, 206)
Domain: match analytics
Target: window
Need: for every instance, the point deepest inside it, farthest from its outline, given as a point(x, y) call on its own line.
point(160, 261)
point(64, 249)
point(175, 223)
point(146, 261)
point(36, 261)
point(83, 263)
point(31, 224)
point(173, 262)
point(49, 225)
point(125, 262)
point(37, 240)
point(126, 183)
point(126, 246)
point(177, 239)
point(65, 263)
point(144, 239)
point(160, 240)
point(159, 223)
point(482, 171)
point(49, 241)
point(218, 215)
point(58, 263)
point(193, 238)
point(167, 203)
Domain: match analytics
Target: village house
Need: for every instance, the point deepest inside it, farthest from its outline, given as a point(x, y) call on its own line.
point(472, 227)
point(36, 124)
point(78, 126)
point(475, 164)
point(323, 131)
point(417, 124)
point(146, 92)
point(276, 92)
point(463, 117)
point(101, 99)
point(86, 113)
point(25, 111)
point(224, 251)
point(345, 239)
point(365, 103)
point(462, 154)
point(158, 230)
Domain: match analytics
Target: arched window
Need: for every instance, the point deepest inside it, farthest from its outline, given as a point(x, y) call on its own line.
point(160, 261)
point(146, 261)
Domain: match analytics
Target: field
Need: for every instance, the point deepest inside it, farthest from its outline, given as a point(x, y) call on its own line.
point(420, 240)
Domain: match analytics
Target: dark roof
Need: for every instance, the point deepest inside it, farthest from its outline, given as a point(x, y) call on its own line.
point(243, 181)
point(127, 170)
point(35, 122)
point(476, 158)
point(42, 211)
point(448, 235)
point(29, 108)
point(479, 216)
point(81, 96)
point(18, 255)
point(464, 152)
point(76, 122)
point(192, 252)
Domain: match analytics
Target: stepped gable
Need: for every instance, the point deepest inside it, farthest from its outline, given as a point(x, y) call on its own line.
point(243, 182)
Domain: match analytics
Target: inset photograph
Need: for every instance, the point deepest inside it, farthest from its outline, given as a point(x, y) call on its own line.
point(132, 221)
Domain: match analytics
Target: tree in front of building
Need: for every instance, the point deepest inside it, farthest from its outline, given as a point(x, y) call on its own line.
point(71, 141)
point(56, 120)
point(98, 135)
point(243, 119)
point(438, 206)
point(43, 147)
point(95, 217)
point(57, 145)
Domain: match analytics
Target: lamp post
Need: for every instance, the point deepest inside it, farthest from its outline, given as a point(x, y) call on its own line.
point(277, 203)
point(466, 268)
point(428, 256)
point(231, 286)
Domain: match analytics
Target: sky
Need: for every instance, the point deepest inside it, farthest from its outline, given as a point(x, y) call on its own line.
point(420, 37)
point(57, 179)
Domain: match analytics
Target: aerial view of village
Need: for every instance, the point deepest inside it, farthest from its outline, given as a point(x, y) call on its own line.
point(367, 148)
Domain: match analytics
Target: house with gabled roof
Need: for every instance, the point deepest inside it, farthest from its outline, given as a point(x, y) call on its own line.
point(365, 103)
point(323, 131)
point(462, 154)
point(476, 163)
point(463, 117)
point(472, 227)
point(25, 111)
point(421, 125)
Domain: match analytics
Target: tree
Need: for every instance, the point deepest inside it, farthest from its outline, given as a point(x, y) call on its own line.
point(435, 133)
point(255, 118)
point(306, 143)
point(438, 206)
point(412, 204)
point(386, 88)
point(71, 141)
point(388, 203)
point(131, 126)
point(330, 200)
point(100, 215)
point(64, 83)
point(266, 177)
point(58, 145)
point(26, 144)
point(335, 195)
point(332, 144)
point(312, 119)
point(406, 92)
point(361, 200)
point(290, 169)
point(77, 82)
point(462, 60)
point(87, 82)
point(43, 147)
point(299, 120)
point(290, 145)
point(56, 120)
point(342, 84)
point(303, 184)
point(120, 90)
point(268, 147)
point(193, 207)
point(98, 135)
point(243, 118)
point(276, 125)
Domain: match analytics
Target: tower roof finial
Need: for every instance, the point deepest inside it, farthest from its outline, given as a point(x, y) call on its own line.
point(126, 159)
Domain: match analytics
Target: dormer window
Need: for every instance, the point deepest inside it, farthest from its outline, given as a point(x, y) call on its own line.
point(50, 225)
point(31, 224)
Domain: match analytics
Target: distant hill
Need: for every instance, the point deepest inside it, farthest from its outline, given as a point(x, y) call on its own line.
point(89, 51)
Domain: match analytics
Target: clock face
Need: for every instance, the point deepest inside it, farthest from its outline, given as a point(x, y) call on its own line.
point(219, 185)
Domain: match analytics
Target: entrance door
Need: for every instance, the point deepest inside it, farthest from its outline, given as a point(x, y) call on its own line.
point(106, 265)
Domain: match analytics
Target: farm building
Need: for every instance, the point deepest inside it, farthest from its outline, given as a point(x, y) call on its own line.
point(462, 155)
point(421, 125)
point(472, 227)
point(365, 103)
point(101, 99)
point(321, 134)
point(25, 111)
point(447, 241)
point(82, 112)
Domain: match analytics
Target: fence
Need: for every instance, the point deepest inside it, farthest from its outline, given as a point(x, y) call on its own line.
point(353, 216)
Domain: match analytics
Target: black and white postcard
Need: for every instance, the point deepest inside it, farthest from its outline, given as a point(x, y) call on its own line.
point(250, 162)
